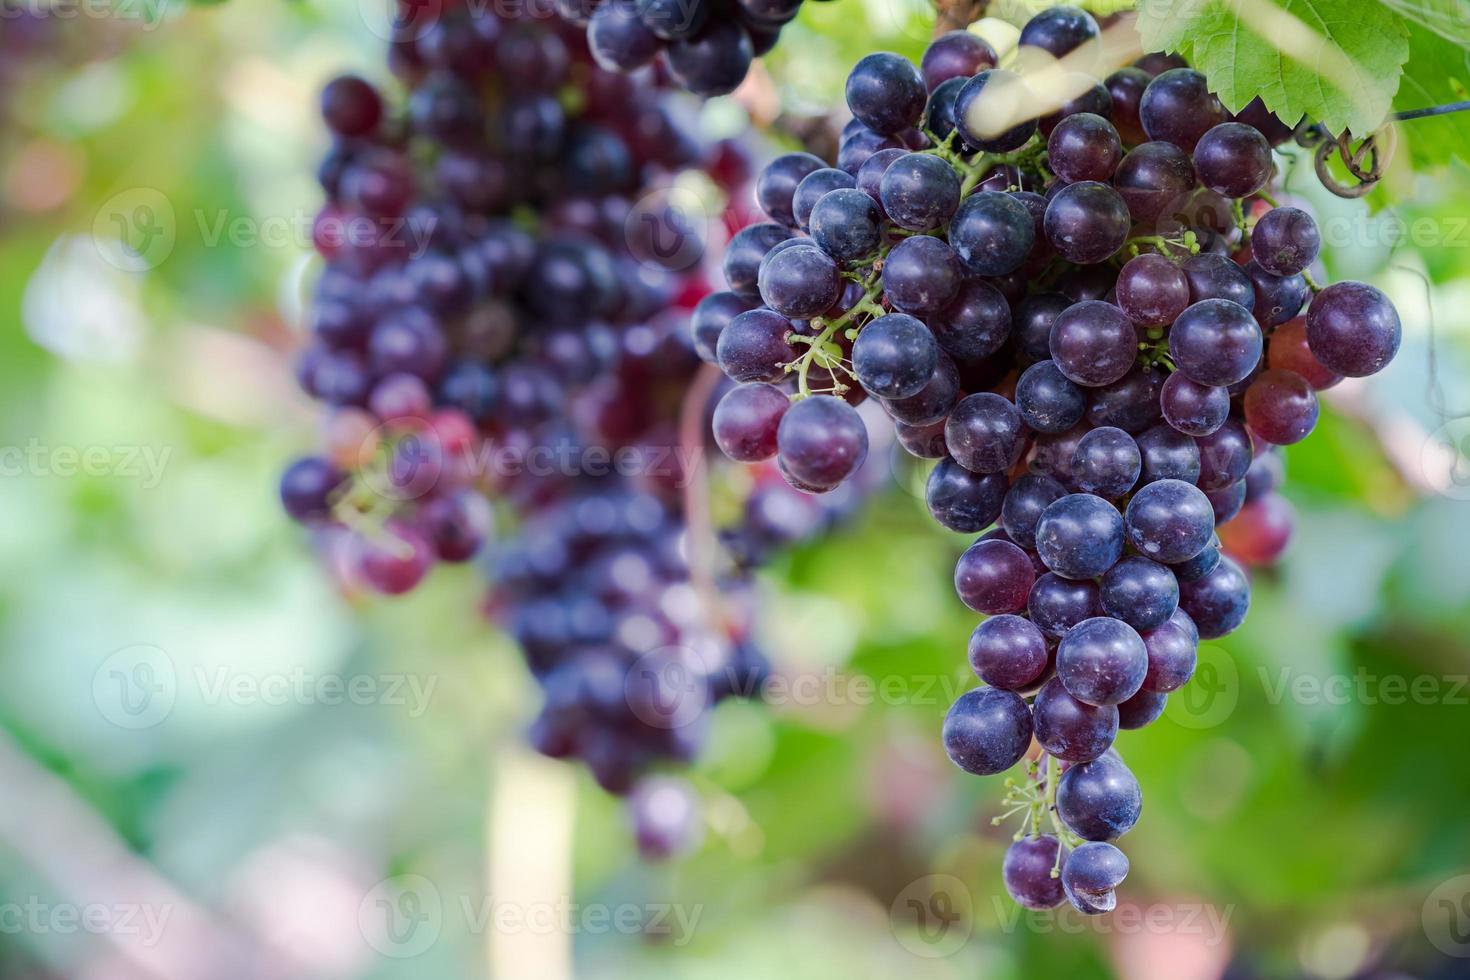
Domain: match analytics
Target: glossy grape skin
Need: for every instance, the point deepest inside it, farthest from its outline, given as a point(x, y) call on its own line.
point(1171, 657)
point(983, 433)
point(1285, 241)
point(1046, 400)
point(894, 356)
point(709, 319)
point(921, 275)
point(1353, 329)
point(619, 40)
point(307, 486)
point(1093, 343)
point(753, 346)
point(811, 189)
point(1058, 30)
point(956, 54)
point(1151, 178)
point(799, 282)
point(919, 191)
point(1024, 503)
point(870, 175)
point(775, 186)
point(1225, 457)
point(1057, 604)
point(1226, 502)
point(1072, 730)
point(1090, 875)
point(822, 441)
point(1213, 276)
point(1107, 463)
point(924, 442)
point(1099, 800)
point(1080, 536)
point(1199, 566)
point(985, 111)
point(746, 419)
point(1281, 407)
point(714, 61)
point(1087, 222)
point(1031, 322)
point(1152, 291)
point(1288, 350)
point(1141, 710)
point(1167, 455)
point(1192, 408)
point(975, 324)
point(396, 561)
point(1051, 454)
point(994, 577)
point(1233, 159)
point(1140, 592)
point(1026, 872)
point(933, 402)
point(743, 255)
point(1102, 661)
point(1125, 87)
point(1084, 146)
point(1177, 107)
point(1008, 652)
point(961, 500)
point(1218, 602)
point(845, 224)
point(1169, 521)
point(987, 731)
point(992, 233)
point(1131, 403)
point(886, 93)
point(1277, 298)
point(1216, 342)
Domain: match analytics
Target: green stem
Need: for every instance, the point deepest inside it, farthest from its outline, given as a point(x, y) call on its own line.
point(866, 305)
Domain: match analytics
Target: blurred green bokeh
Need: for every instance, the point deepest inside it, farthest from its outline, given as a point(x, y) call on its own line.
point(1305, 802)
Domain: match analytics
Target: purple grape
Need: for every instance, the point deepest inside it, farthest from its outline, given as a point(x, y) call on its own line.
point(1080, 536)
point(1216, 342)
point(864, 144)
point(1102, 661)
point(743, 255)
point(714, 61)
point(845, 224)
point(1084, 147)
point(1353, 329)
point(619, 39)
point(955, 55)
point(1192, 408)
point(1152, 290)
point(1168, 455)
point(986, 108)
point(975, 323)
point(1057, 604)
point(1092, 98)
point(886, 93)
point(992, 233)
point(1072, 730)
point(1107, 463)
point(396, 561)
point(1090, 875)
point(351, 106)
point(1093, 343)
point(1059, 30)
point(1130, 403)
point(987, 731)
point(775, 187)
point(1169, 521)
point(1225, 456)
point(821, 441)
point(994, 577)
point(1285, 241)
point(1099, 800)
point(1200, 565)
point(1024, 504)
point(1125, 89)
point(1171, 656)
point(1218, 602)
point(811, 189)
point(933, 402)
point(894, 356)
point(1214, 276)
point(746, 420)
point(800, 282)
point(1027, 870)
point(1141, 710)
point(754, 346)
point(1153, 177)
point(961, 500)
point(457, 524)
point(1233, 159)
point(307, 487)
point(709, 319)
point(870, 174)
point(925, 442)
point(1087, 222)
point(1031, 324)
point(921, 275)
point(1277, 299)
point(1227, 501)
point(919, 191)
point(1281, 408)
point(1008, 652)
point(1140, 592)
point(1267, 472)
point(984, 432)
point(1046, 400)
point(1179, 108)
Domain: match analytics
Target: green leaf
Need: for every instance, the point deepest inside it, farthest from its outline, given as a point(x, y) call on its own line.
point(1438, 72)
point(1338, 62)
point(1450, 19)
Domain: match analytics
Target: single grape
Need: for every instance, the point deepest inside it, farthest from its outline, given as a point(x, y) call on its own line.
point(1008, 652)
point(351, 107)
point(1141, 710)
point(775, 187)
point(933, 402)
point(1267, 472)
point(619, 39)
point(1091, 874)
point(1270, 126)
point(990, 109)
point(956, 54)
point(1046, 400)
point(1093, 343)
point(1280, 407)
point(1227, 501)
point(714, 61)
point(1353, 329)
point(1168, 455)
point(1051, 453)
point(992, 233)
point(743, 255)
point(1218, 602)
point(307, 487)
point(1285, 241)
point(886, 93)
point(845, 224)
point(1080, 536)
point(1233, 159)
point(984, 432)
point(994, 577)
point(754, 346)
point(919, 191)
point(864, 144)
point(1024, 504)
point(395, 561)
point(1259, 534)
point(674, 19)
point(1225, 456)
point(1099, 800)
point(1152, 291)
point(1199, 566)
point(1072, 730)
point(1216, 342)
point(961, 500)
point(746, 420)
point(1107, 463)
point(939, 114)
point(987, 731)
point(1152, 177)
point(924, 442)
point(975, 324)
point(870, 174)
point(1058, 604)
point(1084, 147)
point(894, 356)
point(709, 319)
point(1031, 323)
point(1140, 592)
point(1102, 661)
point(811, 189)
point(921, 275)
point(1214, 276)
point(1027, 870)
point(821, 441)
point(1289, 350)
point(800, 282)
point(1169, 521)
point(1087, 222)
point(1059, 30)
point(1192, 408)
point(1277, 298)
point(1171, 656)
point(1131, 403)
point(1179, 108)
point(1125, 88)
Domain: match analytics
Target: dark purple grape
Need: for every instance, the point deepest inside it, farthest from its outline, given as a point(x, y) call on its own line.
point(1084, 147)
point(409, 341)
point(709, 319)
point(1141, 710)
point(894, 356)
point(1024, 504)
point(1233, 159)
point(1152, 177)
point(1091, 874)
point(674, 19)
point(1225, 456)
point(1281, 408)
point(1179, 108)
point(811, 189)
point(984, 432)
point(1277, 298)
point(1192, 408)
point(1059, 30)
point(769, 12)
point(1102, 661)
point(961, 500)
point(919, 191)
point(1170, 521)
point(1099, 800)
point(862, 146)
point(1285, 241)
point(1171, 656)
point(746, 420)
point(619, 39)
point(845, 223)
point(955, 55)
point(1269, 125)
point(754, 346)
point(1031, 324)
point(821, 441)
point(307, 487)
point(932, 403)
point(1087, 222)
point(1072, 730)
point(1057, 604)
point(1218, 602)
point(921, 275)
point(886, 93)
point(396, 561)
point(1140, 592)
point(1080, 536)
point(1227, 502)
point(1216, 342)
point(457, 525)
point(1125, 89)
point(1168, 454)
point(800, 282)
point(870, 174)
point(989, 111)
point(1200, 565)
point(1130, 403)
point(1353, 329)
point(1267, 472)
point(925, 442)
point(992, 233)
point(1214, 276)
point(743, 255)
point(1093, 343)
point(714, 61)
point(1107, 463)
point(1091, 97)
point(1152, 290)
point(775, 187)
point(1027, 870)
point(351, 107)
point(994, 577)
point(1052, 453)
point(987, 731)
point(974, 324)
point(1046, 400)
point(1008, 652)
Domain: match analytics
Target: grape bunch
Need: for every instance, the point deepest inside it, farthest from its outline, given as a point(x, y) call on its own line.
point(707, 46)
point(1077, 294)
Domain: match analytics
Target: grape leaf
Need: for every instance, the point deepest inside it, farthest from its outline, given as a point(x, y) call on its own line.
point(1335, 61)
point(1438, 72)
point(1450, 19)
